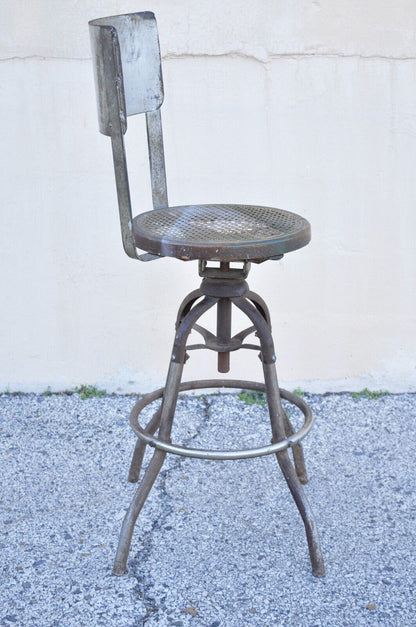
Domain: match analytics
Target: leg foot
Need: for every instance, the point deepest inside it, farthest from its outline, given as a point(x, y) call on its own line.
point(136, 505)
point(289, 473)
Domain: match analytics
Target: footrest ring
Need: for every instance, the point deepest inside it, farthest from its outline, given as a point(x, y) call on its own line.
point(221, 454)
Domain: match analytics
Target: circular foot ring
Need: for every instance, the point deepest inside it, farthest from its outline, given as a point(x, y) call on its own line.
point(221, 454)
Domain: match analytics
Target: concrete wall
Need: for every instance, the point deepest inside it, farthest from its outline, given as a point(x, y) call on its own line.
point(308, 106)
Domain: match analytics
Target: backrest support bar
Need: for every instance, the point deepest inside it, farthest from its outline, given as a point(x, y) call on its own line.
point(157, 159)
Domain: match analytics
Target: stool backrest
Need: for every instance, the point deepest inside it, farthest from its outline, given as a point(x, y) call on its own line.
point(128, 80)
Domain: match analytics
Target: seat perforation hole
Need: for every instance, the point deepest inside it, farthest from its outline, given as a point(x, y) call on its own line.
point(210, 224)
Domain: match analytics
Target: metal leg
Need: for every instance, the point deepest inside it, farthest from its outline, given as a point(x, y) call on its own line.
point(136, 505)
point(289, 473)
point(140, 448)
point(260, 306)
point(297, 450)
point(170, 397)
point(190, 311)
point(277, 419)
point(187, 305)
point(166, 419)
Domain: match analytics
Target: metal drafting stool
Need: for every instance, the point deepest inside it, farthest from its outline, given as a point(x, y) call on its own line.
point(128, 79)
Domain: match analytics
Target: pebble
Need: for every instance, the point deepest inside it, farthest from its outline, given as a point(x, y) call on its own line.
point(227, 544)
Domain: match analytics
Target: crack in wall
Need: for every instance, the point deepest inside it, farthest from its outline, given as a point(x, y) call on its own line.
point(267, 58)
point(40, 57)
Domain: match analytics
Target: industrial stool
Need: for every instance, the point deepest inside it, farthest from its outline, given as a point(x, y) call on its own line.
point(128, 79)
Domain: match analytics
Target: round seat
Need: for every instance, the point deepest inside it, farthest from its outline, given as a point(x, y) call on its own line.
point(220, 232)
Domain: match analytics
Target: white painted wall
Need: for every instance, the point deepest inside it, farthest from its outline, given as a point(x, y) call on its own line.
point(308, 106)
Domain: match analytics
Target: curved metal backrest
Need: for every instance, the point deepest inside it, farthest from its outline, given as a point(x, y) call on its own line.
point(128, 80)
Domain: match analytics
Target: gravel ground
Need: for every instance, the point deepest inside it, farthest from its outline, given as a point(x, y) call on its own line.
point(218, 544)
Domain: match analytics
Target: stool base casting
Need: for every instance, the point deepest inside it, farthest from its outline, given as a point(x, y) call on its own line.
point(222, 287)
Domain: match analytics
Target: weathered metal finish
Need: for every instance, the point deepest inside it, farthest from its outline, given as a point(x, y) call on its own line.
point(170, 396)
point(108, 77)
point(221, 232)
point(185, 327)
point(221, 288)
point(228, 454)
point(224, 333)
point(140, 448)
point(217, 272)
point(127, 67)
point(297, 451)
point(263, 331)
point(213, 343)
point(112, 116)
point(128, 79)
point(278, 431)
point(157, 159)
point(283, 435)
point(261, 306)
point(123, 192)
point(224, 327)
point(186, 305)
point(188, 322)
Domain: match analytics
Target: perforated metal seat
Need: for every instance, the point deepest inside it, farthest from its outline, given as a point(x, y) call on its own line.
point(128, 77)
point(220, 232)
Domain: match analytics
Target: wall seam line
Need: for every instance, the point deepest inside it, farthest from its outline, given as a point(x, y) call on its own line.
point(265, 60)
